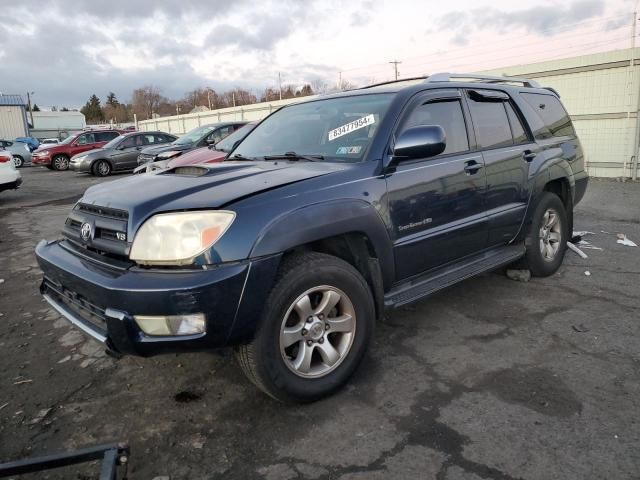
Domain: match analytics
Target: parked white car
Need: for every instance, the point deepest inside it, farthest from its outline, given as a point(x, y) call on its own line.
point(10, 178)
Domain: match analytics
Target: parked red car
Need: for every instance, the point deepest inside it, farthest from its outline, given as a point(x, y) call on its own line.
point(56, 157)
point(215, 153)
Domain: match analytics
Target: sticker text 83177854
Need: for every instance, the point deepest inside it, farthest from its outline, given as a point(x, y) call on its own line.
point(351, 126)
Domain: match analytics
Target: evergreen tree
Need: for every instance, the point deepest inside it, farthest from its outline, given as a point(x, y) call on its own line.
point(92, 110)
point(112, 100)
point(35, 108)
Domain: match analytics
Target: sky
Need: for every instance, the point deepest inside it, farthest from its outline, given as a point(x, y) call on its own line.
point(65, 50)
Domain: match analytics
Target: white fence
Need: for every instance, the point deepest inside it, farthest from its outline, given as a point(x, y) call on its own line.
point(179, 124)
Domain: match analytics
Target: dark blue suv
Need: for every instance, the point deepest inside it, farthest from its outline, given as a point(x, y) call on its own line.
point(326, 214)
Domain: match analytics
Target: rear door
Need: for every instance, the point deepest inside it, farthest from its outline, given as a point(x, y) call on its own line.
point(507, 148)
point(436, 204)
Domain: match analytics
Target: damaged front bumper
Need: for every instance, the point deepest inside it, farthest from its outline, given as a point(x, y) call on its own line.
point(102, 300)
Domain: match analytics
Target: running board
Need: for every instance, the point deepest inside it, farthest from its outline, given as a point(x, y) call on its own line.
point(427, 284)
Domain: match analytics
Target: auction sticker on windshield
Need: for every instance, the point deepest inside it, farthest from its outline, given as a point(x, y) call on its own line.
point(351, 126)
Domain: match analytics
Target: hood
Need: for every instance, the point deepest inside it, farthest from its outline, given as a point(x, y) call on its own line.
point(199, 155)
point(165, 147)
point(95, 151)
point(203, 187)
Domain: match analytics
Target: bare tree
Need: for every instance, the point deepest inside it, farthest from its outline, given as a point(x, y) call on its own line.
point(319, 86)
point(146, 100)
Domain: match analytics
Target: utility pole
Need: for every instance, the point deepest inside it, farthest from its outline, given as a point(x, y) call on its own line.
point(233, 97)
point(30, 109)
point(280, 84)
point(209, 97)
point(630, 85)
point(395, 64)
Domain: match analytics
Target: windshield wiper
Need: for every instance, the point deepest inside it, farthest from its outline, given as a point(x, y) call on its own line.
point(295, 156)
point(239, 156)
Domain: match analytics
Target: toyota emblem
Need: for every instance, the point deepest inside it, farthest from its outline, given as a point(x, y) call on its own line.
point(85, 231)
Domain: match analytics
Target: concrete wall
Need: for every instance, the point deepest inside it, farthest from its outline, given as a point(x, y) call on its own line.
point(12, 122)
point(600, 92)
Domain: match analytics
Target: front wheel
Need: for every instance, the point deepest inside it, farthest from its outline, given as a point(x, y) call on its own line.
point(546, 241)
point(314, 330)
point(60, 162)
point(101, 168)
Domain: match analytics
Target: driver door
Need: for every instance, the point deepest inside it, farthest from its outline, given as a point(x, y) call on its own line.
point(127, 155)
point(436, 204)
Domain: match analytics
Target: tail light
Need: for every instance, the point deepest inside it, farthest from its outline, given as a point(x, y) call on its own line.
point(5, 158)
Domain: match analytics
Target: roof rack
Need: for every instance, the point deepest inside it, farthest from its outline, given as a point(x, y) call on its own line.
point(447, 77)
point(393, 81)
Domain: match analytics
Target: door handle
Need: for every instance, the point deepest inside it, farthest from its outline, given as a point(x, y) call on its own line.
point(528, 155)
point(471, 167)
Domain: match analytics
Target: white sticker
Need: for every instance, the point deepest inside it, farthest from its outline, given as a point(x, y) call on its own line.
point(351, 126)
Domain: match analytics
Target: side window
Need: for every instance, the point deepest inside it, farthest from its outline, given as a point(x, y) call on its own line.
point(517, 130)
point(160, 138)
point(552, 113)
point(149, 139)
point(491, 123)
point(86, 139)
point(219, 134)
point(449, 116)
point(129, 142)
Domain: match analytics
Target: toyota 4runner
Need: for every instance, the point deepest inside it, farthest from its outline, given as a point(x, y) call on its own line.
point(326, 214)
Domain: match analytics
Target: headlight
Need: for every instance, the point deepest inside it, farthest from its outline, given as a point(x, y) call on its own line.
point(169, 154)
point(177, 238)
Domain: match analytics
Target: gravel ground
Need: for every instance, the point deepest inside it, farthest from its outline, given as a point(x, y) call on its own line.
point(492, 378)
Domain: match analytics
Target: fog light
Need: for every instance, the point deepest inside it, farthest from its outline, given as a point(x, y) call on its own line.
point(172, 324)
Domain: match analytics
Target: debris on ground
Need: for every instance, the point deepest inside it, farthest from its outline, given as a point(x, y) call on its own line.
point(587, 245)
point(575, 249)
point(519, 275)
point(580, 328)
point(40, 416)
point(1, 281)
point(3, 405)
point(623, 240)
point(587, 273)
point(22, 381)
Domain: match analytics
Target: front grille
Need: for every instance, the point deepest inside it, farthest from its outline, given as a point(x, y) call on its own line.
point(108, 236)
point(83, 308)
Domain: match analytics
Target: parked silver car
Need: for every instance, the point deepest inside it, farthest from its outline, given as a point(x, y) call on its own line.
point(20, 152)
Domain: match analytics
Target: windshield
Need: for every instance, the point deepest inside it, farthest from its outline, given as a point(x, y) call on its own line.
point(68, 140)
point(113, 143)
point(335, 129)
point(226, 144)
point(194, 135)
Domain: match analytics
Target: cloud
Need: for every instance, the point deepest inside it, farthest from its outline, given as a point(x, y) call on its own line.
point(539, 20)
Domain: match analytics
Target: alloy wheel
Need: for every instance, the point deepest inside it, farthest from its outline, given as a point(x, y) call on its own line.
point(317, 332)
point(550, 235)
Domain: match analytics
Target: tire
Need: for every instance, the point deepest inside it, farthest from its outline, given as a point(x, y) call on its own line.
point(269, 361)
point(18, 161)
point(546, 242)
point(60, 163)
point(101, 168)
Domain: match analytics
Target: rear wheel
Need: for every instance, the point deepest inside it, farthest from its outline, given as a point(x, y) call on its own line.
point(313, 332)
point(101, 168)
point(18, 161)
point(548, 235)
point(60, 162)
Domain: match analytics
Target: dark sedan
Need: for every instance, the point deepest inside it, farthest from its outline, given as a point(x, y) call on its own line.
point(198, 137)
point(119, 154)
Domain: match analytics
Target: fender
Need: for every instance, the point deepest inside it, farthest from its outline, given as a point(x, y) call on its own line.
point(328, 219)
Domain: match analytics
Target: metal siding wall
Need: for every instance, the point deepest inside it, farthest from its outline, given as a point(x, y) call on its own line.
point(12, 122)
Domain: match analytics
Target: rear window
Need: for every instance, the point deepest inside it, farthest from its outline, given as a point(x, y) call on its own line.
point(106, 136)
point(552, 113)
point(492, 124)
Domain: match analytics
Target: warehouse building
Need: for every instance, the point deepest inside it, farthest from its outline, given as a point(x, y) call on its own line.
point(600, 91)
point(57, 124)
point(13, 117)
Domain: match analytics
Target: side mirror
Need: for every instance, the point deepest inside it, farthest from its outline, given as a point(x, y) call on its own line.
point(421, 141)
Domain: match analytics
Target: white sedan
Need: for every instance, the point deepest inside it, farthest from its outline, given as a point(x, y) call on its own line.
point(10, 178)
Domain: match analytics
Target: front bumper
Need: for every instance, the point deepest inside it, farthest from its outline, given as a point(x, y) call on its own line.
point(40, 160)
point(81, 166)
point(102, 300)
